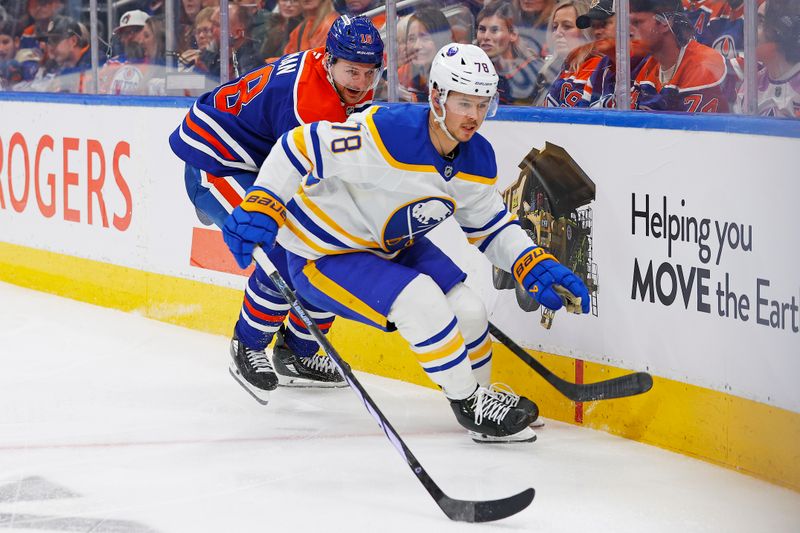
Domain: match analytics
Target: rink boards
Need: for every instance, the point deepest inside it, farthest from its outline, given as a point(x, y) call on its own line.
point(693, 242)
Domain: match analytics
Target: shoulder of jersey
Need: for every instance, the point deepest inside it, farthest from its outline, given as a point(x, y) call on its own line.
point(700, 68)
point(401, 133)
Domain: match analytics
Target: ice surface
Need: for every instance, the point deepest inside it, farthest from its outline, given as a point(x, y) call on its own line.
point(110, 422)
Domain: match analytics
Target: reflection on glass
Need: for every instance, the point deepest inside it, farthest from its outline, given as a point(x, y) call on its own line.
point(685, 55)
point(778, 53)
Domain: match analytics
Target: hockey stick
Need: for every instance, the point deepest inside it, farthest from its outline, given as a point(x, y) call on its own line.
point(619, 387)
point(460, 510)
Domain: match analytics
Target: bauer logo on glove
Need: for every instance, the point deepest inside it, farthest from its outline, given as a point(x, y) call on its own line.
point(552, 284)
point(254, 222)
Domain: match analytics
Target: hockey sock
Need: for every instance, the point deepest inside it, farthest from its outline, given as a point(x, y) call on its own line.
point(263, 311)
point(298, 339)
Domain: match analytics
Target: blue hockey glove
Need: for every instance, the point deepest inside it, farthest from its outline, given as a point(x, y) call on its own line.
point(255, 221)
point(553, 285)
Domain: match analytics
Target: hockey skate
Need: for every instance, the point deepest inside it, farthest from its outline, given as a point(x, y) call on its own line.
point(253, 370)
point(489, 418)
point(512, 399)
point(294, 371)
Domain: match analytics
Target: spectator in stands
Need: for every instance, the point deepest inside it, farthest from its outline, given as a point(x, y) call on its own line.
point(68, 44)
point(600, 20)
point(516, 66)
point(126, 36)
point(202, 37)
point(681, 74)
point(428, 31)
point(277, 28)
point(779, 53)
point(318, 17)
point(40, 13)
point(589, 77)
point(10, 72)
point(121, 74)
point(244, 51)
point(563, 36)
point(186, 18)
point(534, 16)
point(357, 7)
point(151, 39)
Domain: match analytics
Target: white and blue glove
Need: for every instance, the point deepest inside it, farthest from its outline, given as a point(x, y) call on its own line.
point(552, 284)
point(254, 222)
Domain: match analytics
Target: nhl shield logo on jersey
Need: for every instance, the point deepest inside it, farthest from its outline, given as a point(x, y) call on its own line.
point(415, 219)
point(448, 171)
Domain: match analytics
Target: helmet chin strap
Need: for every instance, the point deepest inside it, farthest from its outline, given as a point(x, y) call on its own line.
point(440, 119)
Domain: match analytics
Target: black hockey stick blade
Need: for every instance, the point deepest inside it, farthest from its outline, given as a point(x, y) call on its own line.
point(485, 511)
point(619, 387)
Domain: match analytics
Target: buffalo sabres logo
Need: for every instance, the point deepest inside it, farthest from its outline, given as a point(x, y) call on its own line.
point(415, 219)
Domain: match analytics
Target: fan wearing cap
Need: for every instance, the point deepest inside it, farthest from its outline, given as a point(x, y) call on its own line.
point(126, 45)
point(589, 78)
point(125, 73)
point(681, 74)
point(379, 183)
point(67, 43)
point(224, 140)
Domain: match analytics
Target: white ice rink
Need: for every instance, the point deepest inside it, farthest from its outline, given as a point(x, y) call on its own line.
point(110, 422)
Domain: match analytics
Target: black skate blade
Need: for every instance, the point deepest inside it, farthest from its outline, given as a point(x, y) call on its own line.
point(532, 439)
point(246, 386)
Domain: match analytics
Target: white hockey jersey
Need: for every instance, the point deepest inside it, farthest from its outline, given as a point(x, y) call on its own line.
point(376, 182)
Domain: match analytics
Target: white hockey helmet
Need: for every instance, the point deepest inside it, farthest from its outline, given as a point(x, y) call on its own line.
point(464, 68)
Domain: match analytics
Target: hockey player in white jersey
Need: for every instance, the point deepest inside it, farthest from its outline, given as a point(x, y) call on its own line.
point(351, 203)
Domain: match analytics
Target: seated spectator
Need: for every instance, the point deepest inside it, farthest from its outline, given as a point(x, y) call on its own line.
point(186, 23)
point(245, 53)
point(563, 36)
point(681, 74)
point(10, 72)
point(68, 44)
point(151, 39)
point(40, 14)
point(589, 78)
point(122, 73)
point(516, 67)
point(318, 17)
point(277, 27)
point(532, 23)
point(202, 37)
point(125, 37)
point(779, 53)
point(357, 7)
point(428, 31)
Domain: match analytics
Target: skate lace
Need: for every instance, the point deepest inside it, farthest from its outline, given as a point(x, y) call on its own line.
point(490, 405)
point(258, 360)
point(320, 363)
point(505, 394)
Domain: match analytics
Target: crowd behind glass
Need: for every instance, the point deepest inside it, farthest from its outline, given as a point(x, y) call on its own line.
point(685, 55)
